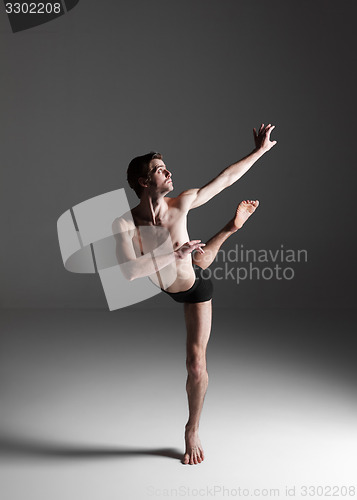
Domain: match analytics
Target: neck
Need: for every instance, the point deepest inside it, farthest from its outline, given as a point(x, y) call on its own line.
point(152, 207)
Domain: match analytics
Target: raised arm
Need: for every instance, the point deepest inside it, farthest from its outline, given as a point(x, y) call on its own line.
point(134, 267)
point(196, 197)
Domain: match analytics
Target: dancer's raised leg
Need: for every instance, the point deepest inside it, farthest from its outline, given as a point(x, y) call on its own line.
point(244, 210)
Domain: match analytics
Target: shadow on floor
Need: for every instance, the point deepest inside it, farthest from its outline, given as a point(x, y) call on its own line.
point(24, 447)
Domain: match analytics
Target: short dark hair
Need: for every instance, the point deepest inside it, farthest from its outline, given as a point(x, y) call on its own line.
point(140, 167)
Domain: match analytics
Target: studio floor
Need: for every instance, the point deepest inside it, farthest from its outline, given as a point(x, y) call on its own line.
point(93, 405)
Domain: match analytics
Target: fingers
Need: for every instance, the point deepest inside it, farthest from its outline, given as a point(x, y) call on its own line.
point(264, 129)
point(269, 131)
point(196, 245)
point(199, 247)
point(196, 249)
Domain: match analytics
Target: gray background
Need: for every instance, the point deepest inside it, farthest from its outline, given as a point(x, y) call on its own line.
point(93, 403)
point(85, 93)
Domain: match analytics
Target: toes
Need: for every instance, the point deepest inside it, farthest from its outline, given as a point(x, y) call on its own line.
point(194, 457)
point(200, 456)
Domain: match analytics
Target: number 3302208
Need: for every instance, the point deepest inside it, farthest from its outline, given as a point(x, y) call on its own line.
point(33, 8)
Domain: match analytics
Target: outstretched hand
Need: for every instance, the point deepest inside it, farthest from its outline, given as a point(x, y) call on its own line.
point(262, 137)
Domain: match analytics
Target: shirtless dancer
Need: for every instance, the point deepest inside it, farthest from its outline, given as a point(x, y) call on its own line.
point(152, 181)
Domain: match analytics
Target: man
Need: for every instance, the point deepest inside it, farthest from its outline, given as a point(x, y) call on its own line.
point(172, 269)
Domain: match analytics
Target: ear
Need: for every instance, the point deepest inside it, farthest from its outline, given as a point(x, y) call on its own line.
point(143, 182)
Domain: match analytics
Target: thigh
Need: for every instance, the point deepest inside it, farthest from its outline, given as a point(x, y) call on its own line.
point(198, 318)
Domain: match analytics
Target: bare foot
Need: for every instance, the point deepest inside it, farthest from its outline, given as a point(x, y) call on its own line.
point(194, 452)
point(243, 212)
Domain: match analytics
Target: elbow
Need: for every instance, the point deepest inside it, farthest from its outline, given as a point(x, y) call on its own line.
point(127, 277)
point(127, 272)
point(130, 276)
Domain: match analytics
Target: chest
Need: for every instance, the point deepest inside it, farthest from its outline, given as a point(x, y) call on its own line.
point(168, 234)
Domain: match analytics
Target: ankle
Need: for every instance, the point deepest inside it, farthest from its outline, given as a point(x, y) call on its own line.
point(231, 226)
point(189, 427)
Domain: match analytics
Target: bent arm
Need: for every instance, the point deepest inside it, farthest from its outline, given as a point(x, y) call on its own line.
point(134, 267)
point(146, 265)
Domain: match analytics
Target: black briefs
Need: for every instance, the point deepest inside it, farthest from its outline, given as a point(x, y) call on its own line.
point(200, 291)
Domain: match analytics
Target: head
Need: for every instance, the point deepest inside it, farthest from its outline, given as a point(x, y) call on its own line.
point(149, 172)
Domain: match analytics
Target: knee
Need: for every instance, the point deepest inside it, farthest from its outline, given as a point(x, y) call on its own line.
point(202, 260)
point(200, 264)
point(196, 367)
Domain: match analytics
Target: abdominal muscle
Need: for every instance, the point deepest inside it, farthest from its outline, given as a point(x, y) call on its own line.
point(176, 277)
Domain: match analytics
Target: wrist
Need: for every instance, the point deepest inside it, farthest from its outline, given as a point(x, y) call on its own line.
point(259, 151)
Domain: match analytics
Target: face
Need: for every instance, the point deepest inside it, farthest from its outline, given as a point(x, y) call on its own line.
point(160, 177)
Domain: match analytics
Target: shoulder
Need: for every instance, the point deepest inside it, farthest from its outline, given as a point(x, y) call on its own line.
point(124, 224)
point(184, 200)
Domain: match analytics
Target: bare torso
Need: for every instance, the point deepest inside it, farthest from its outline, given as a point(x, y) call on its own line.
point(179, 275)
